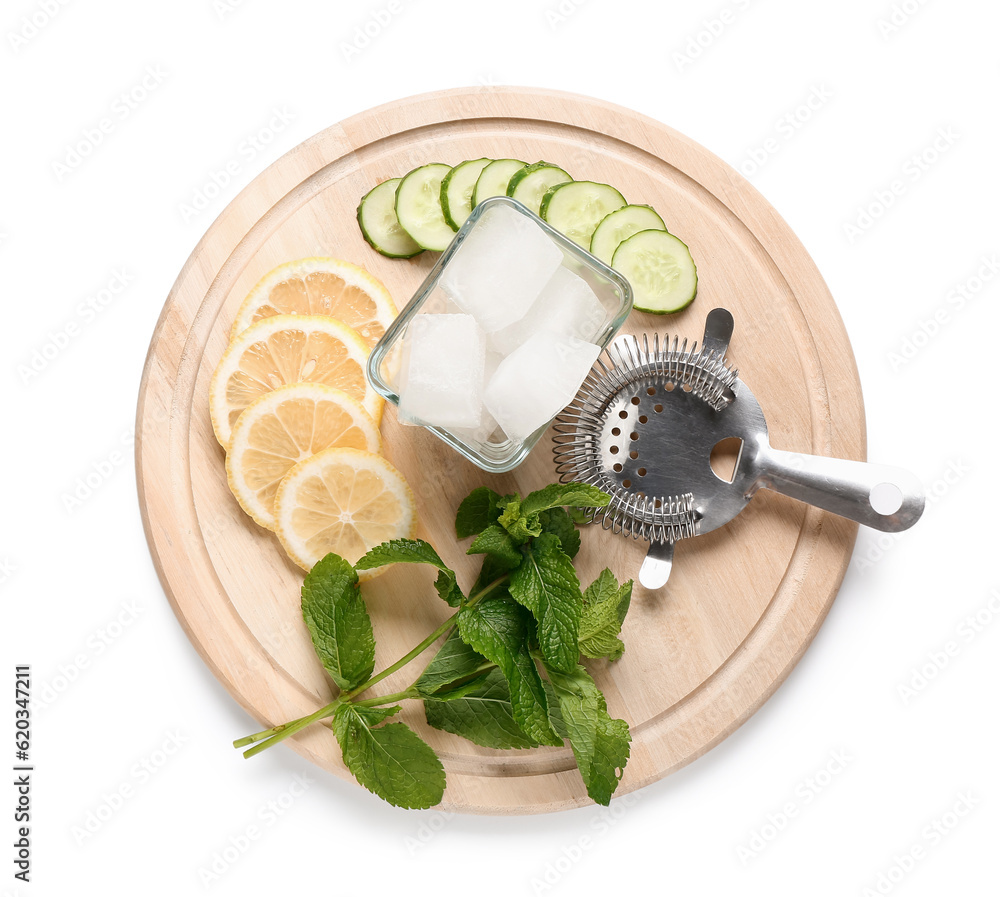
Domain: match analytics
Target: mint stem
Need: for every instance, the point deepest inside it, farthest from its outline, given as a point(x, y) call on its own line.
point(267, 733)
point(280, 733)
point(265, 739)
point(485, 590)
point(410, 692)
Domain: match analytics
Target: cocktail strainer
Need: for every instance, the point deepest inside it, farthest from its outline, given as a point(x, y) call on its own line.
point(643, 428)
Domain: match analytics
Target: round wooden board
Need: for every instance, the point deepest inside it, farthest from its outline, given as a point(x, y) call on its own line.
point(743, 602)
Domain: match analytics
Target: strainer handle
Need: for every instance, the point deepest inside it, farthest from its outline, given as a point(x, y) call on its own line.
point(885, 498)
point(656, 566)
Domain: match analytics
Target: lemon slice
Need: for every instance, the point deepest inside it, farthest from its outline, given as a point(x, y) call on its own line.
point(321, 286)
point(286, 426)
point(288, 349)
point(345, 501)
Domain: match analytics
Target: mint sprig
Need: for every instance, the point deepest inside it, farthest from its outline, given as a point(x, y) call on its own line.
point(507, 673)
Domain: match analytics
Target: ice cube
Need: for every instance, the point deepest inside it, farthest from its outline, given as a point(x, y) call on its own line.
point(498, 271)
point(567, 305)
point(477, 436)
point(537, 380)
point(441, 377)
point(487, 424)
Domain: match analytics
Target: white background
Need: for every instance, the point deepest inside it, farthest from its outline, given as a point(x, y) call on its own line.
point(121, 685)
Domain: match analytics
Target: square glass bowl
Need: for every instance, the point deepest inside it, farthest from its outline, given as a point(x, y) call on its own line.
point(495, 451)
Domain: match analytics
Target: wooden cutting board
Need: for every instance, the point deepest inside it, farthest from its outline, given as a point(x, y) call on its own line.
point(743, 602)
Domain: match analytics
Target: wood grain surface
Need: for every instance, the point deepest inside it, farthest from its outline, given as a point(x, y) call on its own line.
point(743, 603)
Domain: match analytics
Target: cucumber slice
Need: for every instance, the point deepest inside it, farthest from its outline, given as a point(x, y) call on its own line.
point(494, 178)
point(418, 206)
point(660, 268)
point(531, 183)
point(456, 190)
point(576, 208)
point(619, 226)
point(379, 225)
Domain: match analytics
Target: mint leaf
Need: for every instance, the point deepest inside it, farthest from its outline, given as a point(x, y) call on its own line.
point(375, 715)
point(454, 664)
point(484, 715)
point(479, 510)
point(391, 761)
point(496, 541)
point(561, 495)
point(401, 551)
point(524, 519)
point(555, 713)
point(605, 604)
point(338, 621)
point(558, 522)
point(546, 584)
point(600, 743)
point(490, 572)
point(448, 589)
point(414, 551)
point(520, 527)
point(496, 629)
